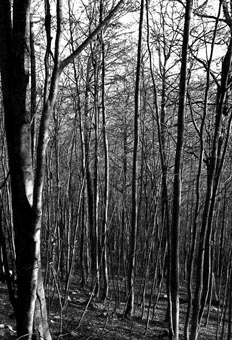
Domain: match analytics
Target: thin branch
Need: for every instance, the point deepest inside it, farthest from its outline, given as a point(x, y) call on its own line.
point(207, 16)
point(82, 46)
point(5, 180)
point(205, 66)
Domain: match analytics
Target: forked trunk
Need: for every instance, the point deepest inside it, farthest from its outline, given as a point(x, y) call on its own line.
point(27, 185)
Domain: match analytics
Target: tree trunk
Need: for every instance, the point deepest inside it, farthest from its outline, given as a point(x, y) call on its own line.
point(30, 307)
point(106, 171)
point(214, 163)
point(175, 226)
point(134, 210)
point(15, 76)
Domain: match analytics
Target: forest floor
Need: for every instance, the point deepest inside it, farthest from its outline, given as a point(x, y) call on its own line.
point(84, 317)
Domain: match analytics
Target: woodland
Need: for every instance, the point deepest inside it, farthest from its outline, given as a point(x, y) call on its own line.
point(115, 169)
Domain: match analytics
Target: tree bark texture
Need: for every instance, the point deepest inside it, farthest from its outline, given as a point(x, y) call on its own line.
point(27, 185)
point(134, 210)
point(175, 226)
point(15, 56)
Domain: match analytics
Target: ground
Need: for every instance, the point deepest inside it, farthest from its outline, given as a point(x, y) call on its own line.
point(84, 317)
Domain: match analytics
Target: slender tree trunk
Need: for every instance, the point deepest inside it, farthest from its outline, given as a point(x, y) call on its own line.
point(106, 172)
point(162, 134)
point(134, 212)
point(214, 169)
point(95, 60)
point(198, 191)
point(175, 226)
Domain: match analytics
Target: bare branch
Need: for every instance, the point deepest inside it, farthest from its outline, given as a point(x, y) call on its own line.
point(206, 67)
point(207, 16)
point(81, 47)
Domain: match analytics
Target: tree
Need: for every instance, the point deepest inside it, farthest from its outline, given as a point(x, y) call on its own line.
point(215, 161)
point(27, 184)
point(134, 198)
point(175, 232)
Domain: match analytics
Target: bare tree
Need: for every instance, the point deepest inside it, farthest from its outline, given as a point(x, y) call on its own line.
point(27, 185)
point(134, 210)
point(175, 231)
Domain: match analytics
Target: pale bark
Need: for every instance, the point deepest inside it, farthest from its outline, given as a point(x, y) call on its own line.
point(134, 198)
point(27, 190)
point(106, 172)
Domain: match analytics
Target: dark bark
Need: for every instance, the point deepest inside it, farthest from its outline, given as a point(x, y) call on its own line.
point(27, 191)
point(215, 163)
point(15, 77)
point(175, 226)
